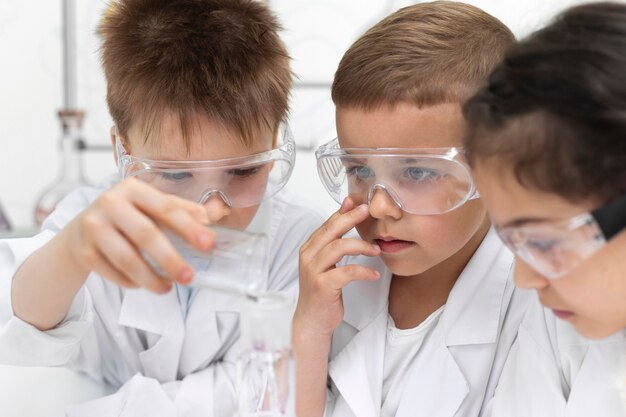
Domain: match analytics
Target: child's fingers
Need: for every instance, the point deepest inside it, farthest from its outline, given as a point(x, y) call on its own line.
point(158, 205)
point(346, 205)
point(104, 268)
point(183, 224)
point(338, 278)
point(335, 227)
point(332, 253)
point(184, 217)
point(146, 237)
point(129, 262)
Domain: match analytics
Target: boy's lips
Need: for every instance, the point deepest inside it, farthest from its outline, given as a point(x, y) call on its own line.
point(563, 314)
point(392, 245)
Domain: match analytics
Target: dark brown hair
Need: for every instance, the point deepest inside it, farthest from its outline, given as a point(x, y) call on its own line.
point(426, 54)
point(221, 59)
point(555, 109)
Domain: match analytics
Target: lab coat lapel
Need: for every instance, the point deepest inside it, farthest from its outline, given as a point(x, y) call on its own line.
point(357, 370)
point(160, 315)
point(465, 338)
point(203, 338)
point(473, 310)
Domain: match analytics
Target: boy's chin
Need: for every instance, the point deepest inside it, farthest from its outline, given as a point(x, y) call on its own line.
point(405, 267)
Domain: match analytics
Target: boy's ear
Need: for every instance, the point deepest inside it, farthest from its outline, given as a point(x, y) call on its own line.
point(113, 132)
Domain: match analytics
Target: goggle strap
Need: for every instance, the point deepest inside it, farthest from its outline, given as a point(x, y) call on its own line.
point(611, 218)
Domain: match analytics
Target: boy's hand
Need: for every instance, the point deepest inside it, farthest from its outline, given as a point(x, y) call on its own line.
point(110, 235)
point(320, 305)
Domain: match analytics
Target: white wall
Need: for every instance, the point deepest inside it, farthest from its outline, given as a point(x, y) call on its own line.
point(317, 32)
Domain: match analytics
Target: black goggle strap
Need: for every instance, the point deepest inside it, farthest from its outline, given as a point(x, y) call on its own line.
point(611, 217)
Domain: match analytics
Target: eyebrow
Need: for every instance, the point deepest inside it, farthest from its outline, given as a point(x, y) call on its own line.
point(356, 159)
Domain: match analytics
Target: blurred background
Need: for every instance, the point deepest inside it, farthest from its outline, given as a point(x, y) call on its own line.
point(31, 92)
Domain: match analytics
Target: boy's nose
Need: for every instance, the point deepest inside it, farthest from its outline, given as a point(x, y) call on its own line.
point(382, 205)
point(217, 206)
point(528, 278)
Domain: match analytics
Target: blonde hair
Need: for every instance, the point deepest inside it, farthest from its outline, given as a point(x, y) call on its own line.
point(426, 54)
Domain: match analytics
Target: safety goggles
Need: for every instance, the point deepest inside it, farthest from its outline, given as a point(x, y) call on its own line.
point(239, 182)
point(555, 248)
point(419, 181)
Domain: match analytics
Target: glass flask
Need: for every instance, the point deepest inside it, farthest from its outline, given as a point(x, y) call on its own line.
point(70, 165)
point(236, 264)
point(265, 369)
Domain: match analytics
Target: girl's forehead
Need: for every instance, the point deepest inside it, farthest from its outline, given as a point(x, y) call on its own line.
point(508, 201)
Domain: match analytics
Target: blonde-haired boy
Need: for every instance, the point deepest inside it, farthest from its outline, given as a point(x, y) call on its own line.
point(417, 317)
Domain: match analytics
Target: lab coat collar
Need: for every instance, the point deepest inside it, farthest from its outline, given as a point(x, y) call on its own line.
point(472, 313)
point(150, 312)
point(161, 315)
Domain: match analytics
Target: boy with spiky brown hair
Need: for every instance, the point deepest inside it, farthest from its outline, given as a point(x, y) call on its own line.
point(198, 91)
point(417, 317)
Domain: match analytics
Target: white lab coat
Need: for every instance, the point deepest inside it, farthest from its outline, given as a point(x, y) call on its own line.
point(166, 366)
point(552, 371)
point(457, 369)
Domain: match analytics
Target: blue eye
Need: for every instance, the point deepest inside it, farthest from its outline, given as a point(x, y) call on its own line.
point(541, 245)
point(361, 172)
point(176, 176)
point(420, 174)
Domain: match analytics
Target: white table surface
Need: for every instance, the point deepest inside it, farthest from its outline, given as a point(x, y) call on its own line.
point(44, 392)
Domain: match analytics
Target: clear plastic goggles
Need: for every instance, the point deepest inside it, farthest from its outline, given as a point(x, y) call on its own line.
point(419, 181)
point(555, 248)
point(240, 182)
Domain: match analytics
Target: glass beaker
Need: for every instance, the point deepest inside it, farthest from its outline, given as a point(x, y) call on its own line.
point(238, 262)
point(265, 369)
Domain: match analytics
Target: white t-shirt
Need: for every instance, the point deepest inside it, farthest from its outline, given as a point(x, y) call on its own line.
point(401, 350)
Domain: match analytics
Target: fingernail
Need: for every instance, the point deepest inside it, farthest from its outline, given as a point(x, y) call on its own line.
point(376, 248)
point(204, 238)
point(363, 208)
point(344, 205)
point(186, 276)
point(377, 274)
